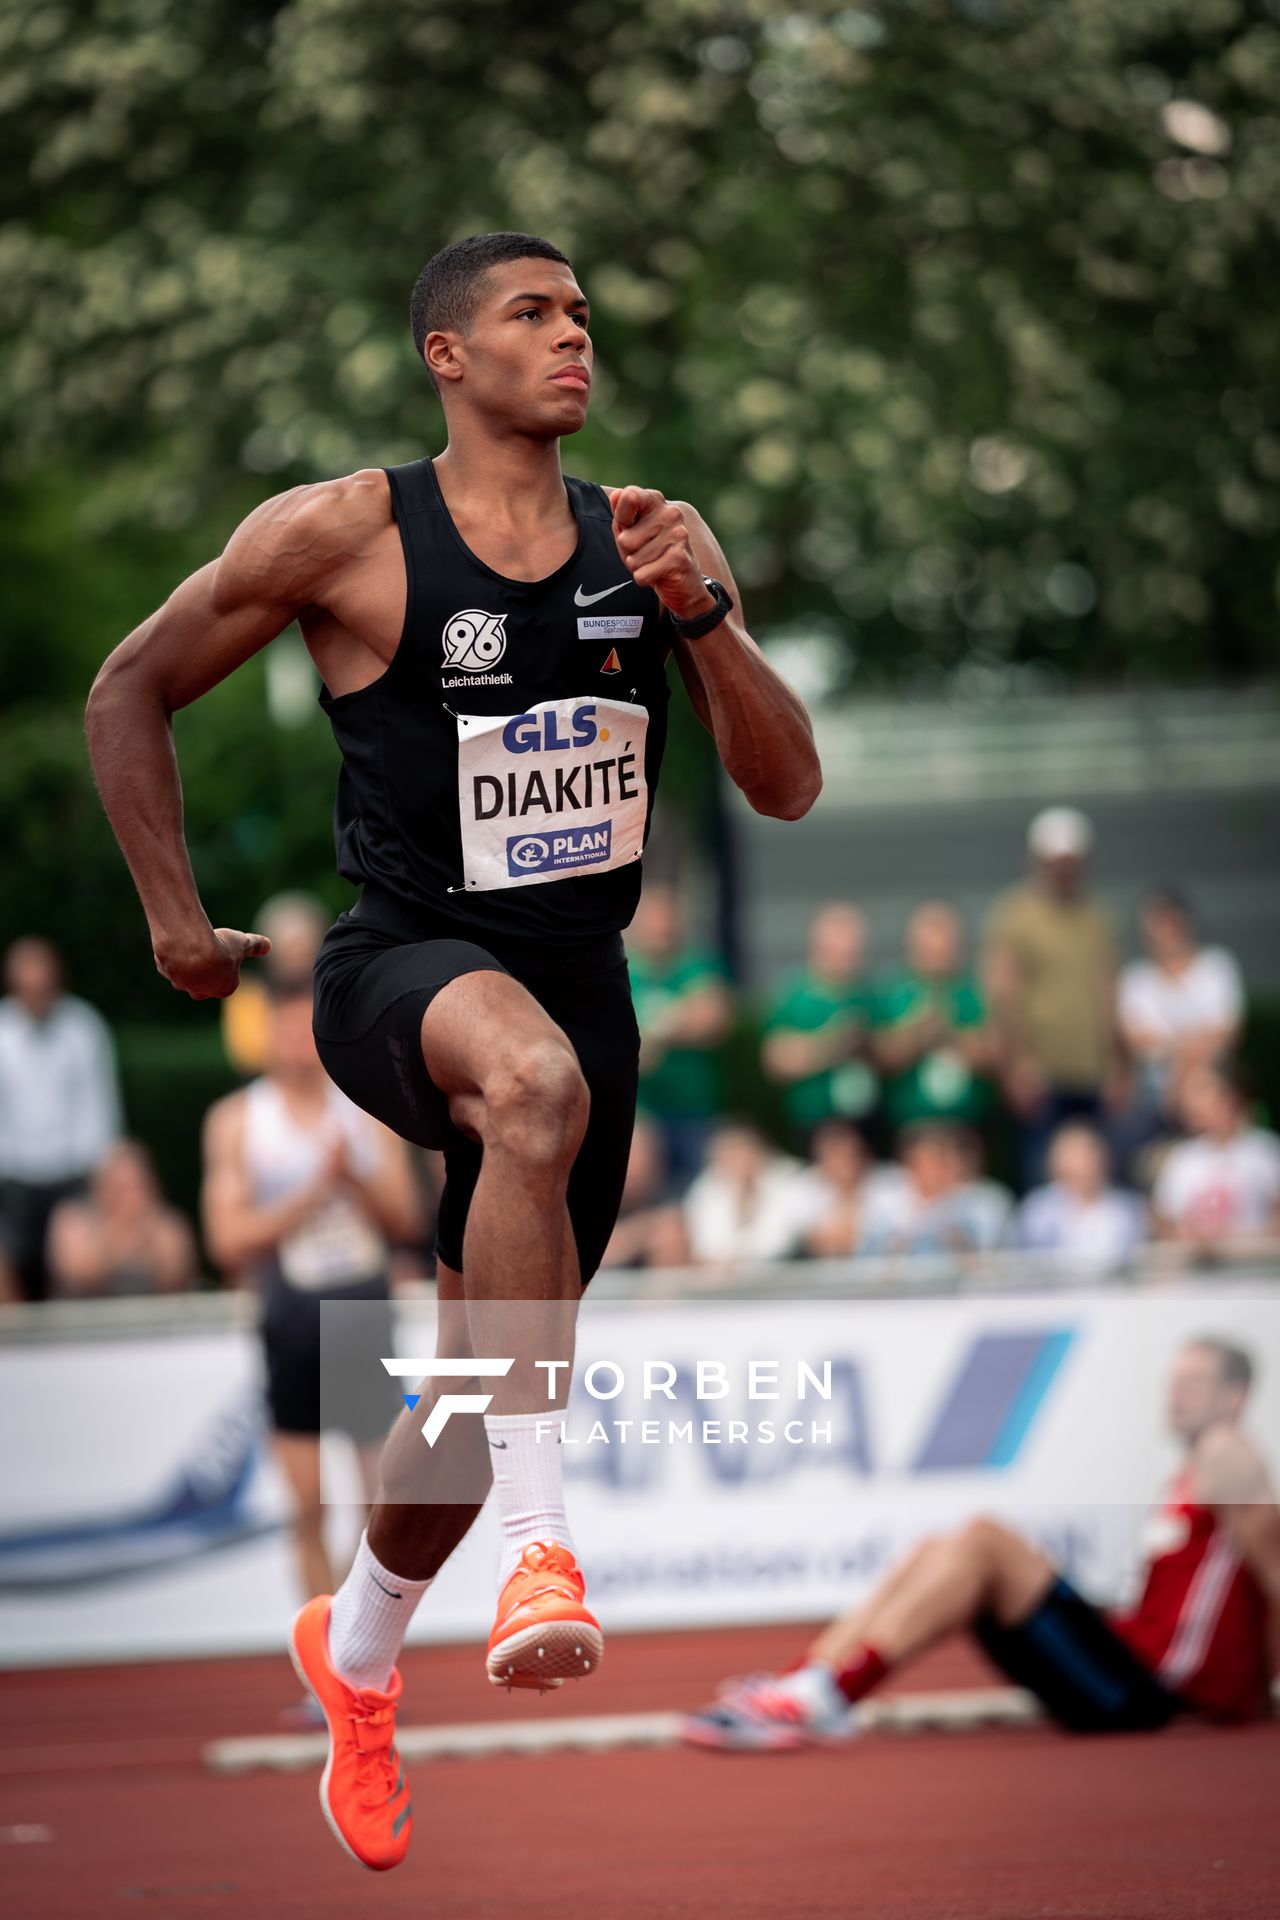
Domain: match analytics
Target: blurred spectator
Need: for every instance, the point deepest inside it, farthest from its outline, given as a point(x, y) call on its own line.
point(934, 1202)
point(832, 1190)
point(748, 1203)
point(683, 1009)
point(59, 1103)
point(123, 1237)
point(932, 1041)
point(1182, 1006)
point(1050, 971)
point(302, 1193)
point(1219, 1192)
point(817, 1026)
point(295, 924)
point(1086, 1227)
point(650, 1230)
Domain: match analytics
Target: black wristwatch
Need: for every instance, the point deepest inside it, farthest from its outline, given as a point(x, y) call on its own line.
point(704, 622)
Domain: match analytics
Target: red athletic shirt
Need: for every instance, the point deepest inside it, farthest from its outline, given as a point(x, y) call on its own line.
point(1201, 1623)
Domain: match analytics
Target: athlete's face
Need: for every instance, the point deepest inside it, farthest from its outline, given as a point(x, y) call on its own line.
point(527, 357)
point(1199, 1397)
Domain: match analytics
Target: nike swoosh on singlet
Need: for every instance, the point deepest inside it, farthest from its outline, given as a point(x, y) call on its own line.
point(581, 599)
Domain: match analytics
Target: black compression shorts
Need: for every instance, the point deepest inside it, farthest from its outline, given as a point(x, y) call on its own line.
point(304, 1396)
point(1078, 1667)
point(374, 981)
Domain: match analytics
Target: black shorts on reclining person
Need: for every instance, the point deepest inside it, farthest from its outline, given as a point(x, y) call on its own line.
point(1078, 1667)
point(379, 968)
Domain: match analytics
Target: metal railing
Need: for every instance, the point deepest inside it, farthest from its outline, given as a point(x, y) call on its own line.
point(1158, 1267)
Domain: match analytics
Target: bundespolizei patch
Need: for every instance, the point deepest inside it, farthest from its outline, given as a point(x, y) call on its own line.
point(611, 626)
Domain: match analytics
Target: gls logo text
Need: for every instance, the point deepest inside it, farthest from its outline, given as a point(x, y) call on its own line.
point(474, 641)
point(448, 1403)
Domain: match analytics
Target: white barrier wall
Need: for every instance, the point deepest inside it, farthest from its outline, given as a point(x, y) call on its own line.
point(140, 1514)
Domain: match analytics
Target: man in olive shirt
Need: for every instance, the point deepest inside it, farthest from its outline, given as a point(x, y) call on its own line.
point(1050, 969)
point(683, 1011)
point(932, 1040)
point(817, 1026)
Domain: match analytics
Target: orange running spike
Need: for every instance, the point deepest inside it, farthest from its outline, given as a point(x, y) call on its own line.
point(363, 1794)
point(543, 1633)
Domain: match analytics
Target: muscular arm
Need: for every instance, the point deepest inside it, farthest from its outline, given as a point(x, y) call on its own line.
point(278, 562)
point(760, 727)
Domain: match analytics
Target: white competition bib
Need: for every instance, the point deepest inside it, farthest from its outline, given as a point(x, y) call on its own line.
point(556, 791)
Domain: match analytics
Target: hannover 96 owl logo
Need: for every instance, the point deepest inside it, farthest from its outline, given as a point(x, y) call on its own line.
point(474, 642)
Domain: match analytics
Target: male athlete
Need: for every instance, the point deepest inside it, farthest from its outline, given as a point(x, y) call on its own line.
point(1204, 1635)
point(491, 636)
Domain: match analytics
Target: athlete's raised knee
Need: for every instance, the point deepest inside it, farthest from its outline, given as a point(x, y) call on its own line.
point(535, 1102)
point(987, 1538)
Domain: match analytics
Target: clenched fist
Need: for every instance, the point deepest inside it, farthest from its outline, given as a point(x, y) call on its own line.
point(209, 968)
point(653, 540)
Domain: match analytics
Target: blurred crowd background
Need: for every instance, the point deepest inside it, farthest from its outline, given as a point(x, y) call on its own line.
point(1032, 1092)
point(956, 321)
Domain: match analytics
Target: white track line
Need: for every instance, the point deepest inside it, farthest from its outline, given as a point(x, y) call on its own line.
point(909, 1713)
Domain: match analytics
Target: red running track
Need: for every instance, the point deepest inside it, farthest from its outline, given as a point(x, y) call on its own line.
point(106, 1810)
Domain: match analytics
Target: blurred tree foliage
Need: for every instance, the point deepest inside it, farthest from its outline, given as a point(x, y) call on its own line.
point(957, 319)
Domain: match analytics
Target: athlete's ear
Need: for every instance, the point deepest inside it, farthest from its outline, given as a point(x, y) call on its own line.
point(442, 361)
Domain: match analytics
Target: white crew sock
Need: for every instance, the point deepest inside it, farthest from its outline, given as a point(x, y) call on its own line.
point(815, 1689)
point(528, 1483)
point(371, 1614)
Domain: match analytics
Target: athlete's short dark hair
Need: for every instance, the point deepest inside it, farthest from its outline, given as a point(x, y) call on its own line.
point(449, 288)
point(1236, 1366)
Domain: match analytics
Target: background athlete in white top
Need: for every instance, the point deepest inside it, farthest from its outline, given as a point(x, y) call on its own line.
point(301, 1195)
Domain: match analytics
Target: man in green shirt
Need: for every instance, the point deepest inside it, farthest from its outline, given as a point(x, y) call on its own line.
point(817, 1026)
point(932, 1040)
point(683, 1009)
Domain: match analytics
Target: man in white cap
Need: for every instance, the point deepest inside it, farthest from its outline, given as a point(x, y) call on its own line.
point(1050, 964)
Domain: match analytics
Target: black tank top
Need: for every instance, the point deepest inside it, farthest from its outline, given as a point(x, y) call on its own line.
point(500, 773)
